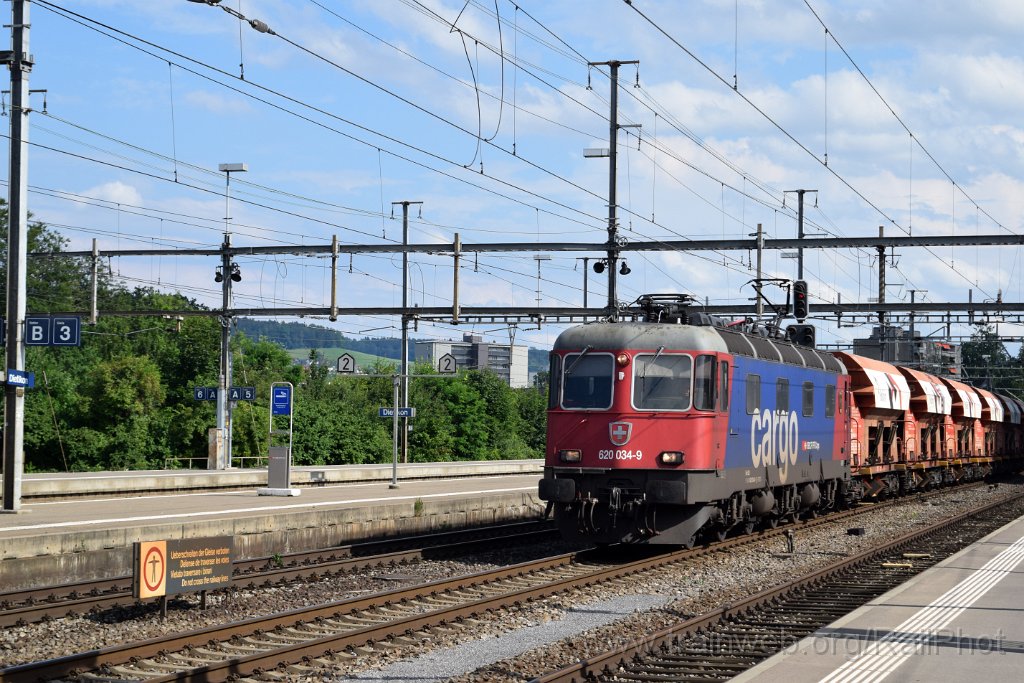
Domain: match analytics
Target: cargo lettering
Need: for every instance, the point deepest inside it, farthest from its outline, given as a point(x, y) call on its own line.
point(774, 439)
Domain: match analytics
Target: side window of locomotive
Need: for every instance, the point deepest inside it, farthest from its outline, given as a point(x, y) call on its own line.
point(830, 400)
point(808, 407)
point(662, 382)
point(554, 371)
point(753, 394)
point(723, 386)
point(587, 381)
point(782, 394)
point(704, 377)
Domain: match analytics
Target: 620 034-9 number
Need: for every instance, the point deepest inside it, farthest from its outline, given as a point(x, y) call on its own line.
point(609, 454)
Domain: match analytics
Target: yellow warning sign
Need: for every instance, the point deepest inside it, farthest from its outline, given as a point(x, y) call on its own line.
point(151, 569)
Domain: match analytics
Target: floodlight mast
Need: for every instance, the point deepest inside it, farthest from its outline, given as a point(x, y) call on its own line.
point(228, 273)
point(613, 228)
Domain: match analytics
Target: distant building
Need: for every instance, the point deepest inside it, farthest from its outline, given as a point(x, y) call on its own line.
point(896, 346)
point(473, 353)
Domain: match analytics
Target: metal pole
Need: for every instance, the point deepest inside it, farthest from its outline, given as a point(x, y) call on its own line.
point(613, 228)
point(586, 268)
point(94, 311)
point(334, 278)
point(760, 249)
point(17, 255)
point(882, 333)
point(405, 323)
point(224, 381)
point(394, 437)
point(457, 247)
point(800, 233)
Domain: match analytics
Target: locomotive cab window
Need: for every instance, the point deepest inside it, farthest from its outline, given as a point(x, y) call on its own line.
point(554, 371)
point(782, 394)
point(723, 386)
point(662, 381)
point(587, 380)
point(704, 383)
point(753, 394)
point(808, 402)
point(830, 400)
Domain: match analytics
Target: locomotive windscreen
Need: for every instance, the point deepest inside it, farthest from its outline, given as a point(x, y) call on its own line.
point(587, 381)
point(662, 382)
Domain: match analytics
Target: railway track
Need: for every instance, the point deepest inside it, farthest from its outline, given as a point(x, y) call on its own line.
point(303, 641)
point(51, 602)
point(721, 644)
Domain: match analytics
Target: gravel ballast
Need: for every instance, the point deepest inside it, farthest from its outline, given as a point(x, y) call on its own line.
point(526, 641)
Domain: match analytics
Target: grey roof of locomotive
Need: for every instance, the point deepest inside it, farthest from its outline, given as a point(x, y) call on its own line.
point(651, 336)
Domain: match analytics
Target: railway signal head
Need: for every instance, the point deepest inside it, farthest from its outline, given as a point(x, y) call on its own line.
point(801, 335)
point(800, 307)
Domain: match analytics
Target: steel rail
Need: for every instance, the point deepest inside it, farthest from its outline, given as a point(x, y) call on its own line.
point(117, 655)
point(49, 602)
point(592, 668)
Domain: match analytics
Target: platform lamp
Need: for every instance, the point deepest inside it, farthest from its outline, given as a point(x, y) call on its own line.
point(226, 273)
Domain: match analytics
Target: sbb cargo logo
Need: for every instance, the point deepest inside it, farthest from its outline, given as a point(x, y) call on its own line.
point(774, 439)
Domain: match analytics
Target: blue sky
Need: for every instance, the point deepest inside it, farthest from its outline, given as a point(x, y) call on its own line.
point(354, 105)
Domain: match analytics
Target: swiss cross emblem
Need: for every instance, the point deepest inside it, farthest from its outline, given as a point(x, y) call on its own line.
point(619, 432)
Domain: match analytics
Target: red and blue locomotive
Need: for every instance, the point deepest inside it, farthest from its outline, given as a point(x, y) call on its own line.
point(677, 427)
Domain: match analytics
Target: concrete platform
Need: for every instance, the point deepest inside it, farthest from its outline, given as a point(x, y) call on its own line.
point(90, 538)
point(960, 620)
point(85, 484)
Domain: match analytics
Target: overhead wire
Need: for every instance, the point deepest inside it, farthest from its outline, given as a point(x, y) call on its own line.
point(88, 23)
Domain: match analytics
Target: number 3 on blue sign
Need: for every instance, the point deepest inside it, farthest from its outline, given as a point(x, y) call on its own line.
point(66, 332)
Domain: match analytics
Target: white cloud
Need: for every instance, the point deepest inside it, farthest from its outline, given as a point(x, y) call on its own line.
point(216, 102)
point(116, 192)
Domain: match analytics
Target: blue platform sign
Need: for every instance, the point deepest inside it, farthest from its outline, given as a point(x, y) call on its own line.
point(37, 331)
point(204, 393)
point(402, 412)
point(281, 401)
point(242, 394)
point(21, 379)
point(67, 331)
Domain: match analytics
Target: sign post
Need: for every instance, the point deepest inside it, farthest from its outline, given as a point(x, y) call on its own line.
point(394, 436)
point(279, 458)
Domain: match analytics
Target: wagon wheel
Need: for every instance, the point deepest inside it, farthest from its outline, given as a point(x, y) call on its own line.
point(720, 533)
point(748, 527)
point(771, 522)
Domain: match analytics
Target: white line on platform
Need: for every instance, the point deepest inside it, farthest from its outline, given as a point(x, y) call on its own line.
point(270, 507)
point(239, 471)
point(236, 493)
point(883, 657)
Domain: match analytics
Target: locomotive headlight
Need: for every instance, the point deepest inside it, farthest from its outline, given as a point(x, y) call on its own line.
point(570, 455)
point(622, 359)
point(671, 457)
